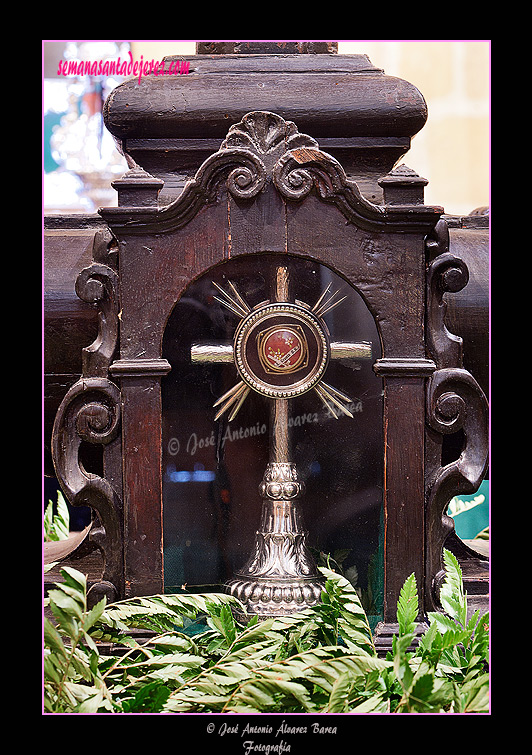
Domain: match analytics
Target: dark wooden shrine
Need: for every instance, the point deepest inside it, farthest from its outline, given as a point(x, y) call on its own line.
point(263, 172)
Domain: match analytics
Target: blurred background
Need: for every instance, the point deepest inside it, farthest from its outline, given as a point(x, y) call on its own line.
point(452, 150)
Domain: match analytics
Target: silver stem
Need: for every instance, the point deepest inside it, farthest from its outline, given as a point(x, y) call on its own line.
point(281, 576)
point(280, 408)
point(280, 445)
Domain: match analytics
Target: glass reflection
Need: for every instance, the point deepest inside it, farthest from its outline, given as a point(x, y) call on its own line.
point(212, 470)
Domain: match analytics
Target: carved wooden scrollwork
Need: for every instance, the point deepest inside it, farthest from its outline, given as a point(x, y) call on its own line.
point(455, 402)
point(264, 149)
point(306, 167)
point(446, 274)
point(90, 413)
point(243, 171)
point(98, 283)
point(247, 174)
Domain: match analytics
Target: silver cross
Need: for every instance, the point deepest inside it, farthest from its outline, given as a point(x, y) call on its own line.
point(281, 349)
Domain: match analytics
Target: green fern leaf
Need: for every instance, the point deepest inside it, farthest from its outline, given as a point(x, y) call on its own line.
point(407, 606)
point(338, 699)
point(348, 612)
point(452, 596)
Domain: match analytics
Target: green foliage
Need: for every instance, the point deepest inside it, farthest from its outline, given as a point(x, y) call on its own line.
point(72, 676)
point(407, 606)
point(321, 660)
point(56, 520)
point(458, 506)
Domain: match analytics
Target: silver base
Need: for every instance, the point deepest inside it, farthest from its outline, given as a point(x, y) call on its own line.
point(281, 577)
point(267, 598)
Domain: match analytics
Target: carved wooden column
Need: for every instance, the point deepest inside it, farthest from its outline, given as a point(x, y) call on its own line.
point(138, 371)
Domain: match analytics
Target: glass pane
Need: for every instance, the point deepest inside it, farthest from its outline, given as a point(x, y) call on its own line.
point(212, 469)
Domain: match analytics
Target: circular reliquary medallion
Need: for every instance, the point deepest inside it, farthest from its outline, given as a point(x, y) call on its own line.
point(281, 349)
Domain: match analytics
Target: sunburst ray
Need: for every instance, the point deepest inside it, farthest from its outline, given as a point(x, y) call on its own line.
point(235, 397)
point(315, 307)
point(333, 399)
point(322, 307)
point(238, 305)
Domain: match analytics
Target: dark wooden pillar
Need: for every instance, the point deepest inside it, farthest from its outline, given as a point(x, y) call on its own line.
point(141, 460)
point(404, 479)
